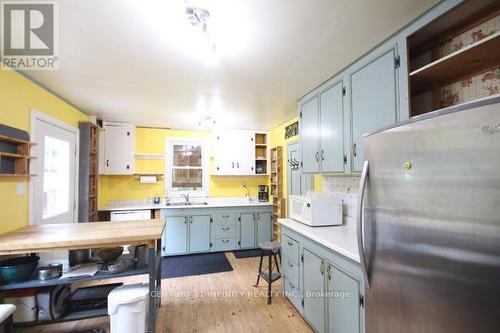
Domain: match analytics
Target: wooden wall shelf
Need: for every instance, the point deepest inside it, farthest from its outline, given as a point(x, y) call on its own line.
point(470, 60)
point(15, 164)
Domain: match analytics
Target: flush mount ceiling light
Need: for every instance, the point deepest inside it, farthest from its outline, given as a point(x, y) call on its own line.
point(199, 18)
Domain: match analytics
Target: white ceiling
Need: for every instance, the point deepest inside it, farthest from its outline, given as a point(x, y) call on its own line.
point(137, 60)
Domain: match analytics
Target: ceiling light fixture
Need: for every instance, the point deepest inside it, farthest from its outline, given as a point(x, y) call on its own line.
point(200, 19)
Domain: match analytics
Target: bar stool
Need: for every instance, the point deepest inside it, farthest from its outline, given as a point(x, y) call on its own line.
point(271, 250)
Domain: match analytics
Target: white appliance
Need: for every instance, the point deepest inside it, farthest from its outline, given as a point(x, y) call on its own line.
point(316, 209)
point(131, 215)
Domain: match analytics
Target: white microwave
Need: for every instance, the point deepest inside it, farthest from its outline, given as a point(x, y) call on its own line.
point(316, 210)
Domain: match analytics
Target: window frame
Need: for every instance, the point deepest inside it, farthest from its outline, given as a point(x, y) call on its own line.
point(169, 154)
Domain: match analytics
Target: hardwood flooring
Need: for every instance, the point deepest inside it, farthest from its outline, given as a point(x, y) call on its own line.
point(221, 302)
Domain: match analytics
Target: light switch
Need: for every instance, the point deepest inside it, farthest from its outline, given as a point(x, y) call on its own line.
point(20, 189)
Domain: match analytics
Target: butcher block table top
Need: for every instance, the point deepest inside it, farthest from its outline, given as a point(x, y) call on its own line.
point(71, 236)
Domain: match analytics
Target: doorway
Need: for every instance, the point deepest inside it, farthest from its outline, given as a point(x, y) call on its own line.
point(53, 193)
point(298, 183)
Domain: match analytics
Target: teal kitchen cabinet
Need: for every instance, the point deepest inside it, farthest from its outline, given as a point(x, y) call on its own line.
point(199, 233)
point(309, 119)
point(264, 227)
point(332, 155)
point(200, 230)
point(374, 99)
point(247, 230)
point(175, 235)
point(326, 288)
point(313, 284)
point(344, 303)
point(322, 130)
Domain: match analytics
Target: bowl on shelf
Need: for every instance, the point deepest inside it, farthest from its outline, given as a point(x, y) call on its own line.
point(109, 253)
point(18, 269)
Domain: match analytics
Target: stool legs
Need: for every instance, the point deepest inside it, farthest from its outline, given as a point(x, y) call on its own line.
point(270, 258)
point(260, 269)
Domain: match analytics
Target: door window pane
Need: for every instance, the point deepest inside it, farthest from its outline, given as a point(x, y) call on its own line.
point(56, 177)
point(187, 156)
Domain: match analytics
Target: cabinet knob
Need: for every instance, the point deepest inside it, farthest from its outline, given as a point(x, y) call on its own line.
point(107, 163)
point(317, 156)
point(225, 229)
point(128, 167)
point(322, 155)
point(354, 152)
point(290, 243)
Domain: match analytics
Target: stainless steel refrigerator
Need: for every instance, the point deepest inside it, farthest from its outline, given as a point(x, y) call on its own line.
point(429, 226)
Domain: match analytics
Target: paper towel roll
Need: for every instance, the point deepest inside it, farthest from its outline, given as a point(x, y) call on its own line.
point(148, 179)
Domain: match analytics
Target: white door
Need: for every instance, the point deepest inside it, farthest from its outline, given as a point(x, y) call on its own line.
point(54, 188)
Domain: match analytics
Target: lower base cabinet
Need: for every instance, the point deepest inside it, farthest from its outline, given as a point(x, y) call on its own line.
point(199, 233)
point(175, 240)
point(329, 290)
point(199, 230)
point(314, 301)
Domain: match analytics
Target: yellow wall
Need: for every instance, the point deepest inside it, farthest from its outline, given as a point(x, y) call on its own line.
point(17, 96)
point(277, 137)
point(152, 141)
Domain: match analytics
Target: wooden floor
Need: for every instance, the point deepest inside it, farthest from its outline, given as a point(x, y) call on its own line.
point(188, 306)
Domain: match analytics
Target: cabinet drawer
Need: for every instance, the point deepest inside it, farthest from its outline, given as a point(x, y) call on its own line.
point(224, 218)
point(292, 292)
point(291, 271)
point(226, 231)
point(290, 249)
point(224, 244)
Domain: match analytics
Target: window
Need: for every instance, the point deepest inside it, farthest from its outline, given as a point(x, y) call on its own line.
point(55, 177)
point(186, 168)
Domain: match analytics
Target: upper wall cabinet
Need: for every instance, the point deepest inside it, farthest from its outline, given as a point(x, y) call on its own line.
point(374, 99)
point(322, 130)
point(236, 153)
point(119, 147)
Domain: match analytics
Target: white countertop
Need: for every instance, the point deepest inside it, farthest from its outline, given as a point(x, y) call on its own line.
point(211, 203)
point(341, 238)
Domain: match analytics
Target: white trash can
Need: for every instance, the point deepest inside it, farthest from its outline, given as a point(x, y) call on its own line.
point(127, 308)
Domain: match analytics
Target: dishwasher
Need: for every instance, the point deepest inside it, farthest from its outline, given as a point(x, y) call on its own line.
point(131, 215)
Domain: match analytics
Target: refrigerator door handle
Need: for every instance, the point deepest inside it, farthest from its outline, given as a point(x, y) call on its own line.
point(359, 217)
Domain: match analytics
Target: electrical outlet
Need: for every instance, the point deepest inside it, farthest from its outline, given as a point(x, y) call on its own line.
point(20, 189)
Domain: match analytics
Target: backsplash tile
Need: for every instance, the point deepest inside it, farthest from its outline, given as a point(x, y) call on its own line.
point(345, 188)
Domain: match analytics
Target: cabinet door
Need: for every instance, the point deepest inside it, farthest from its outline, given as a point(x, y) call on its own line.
point(247, 231)
point(175, 240)
point(119, 149)
point(314, 303)
point(343, 303)
point(222, 158)
point(373, 100)
point(310, 136)
point(264, 227)
point(199, 233)
point(246, 147)
point(332, 129)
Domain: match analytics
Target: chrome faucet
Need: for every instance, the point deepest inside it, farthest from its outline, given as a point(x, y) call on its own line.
point(186, 197)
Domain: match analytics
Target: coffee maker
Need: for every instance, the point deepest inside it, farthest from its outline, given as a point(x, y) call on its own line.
point(263, 193)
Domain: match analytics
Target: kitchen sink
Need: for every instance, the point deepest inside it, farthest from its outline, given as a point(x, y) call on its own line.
point(187, 203)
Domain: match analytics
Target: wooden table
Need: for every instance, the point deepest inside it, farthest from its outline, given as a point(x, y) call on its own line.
point(72, 236)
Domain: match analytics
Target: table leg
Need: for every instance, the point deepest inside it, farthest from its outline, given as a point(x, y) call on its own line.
point(152, 290)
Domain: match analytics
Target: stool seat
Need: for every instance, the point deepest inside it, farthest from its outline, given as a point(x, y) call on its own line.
point(273, 246)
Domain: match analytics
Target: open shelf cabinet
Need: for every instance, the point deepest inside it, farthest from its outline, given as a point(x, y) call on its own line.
point(261, 156)
point(456, 58)
point(88, 172)
point(279, 202)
